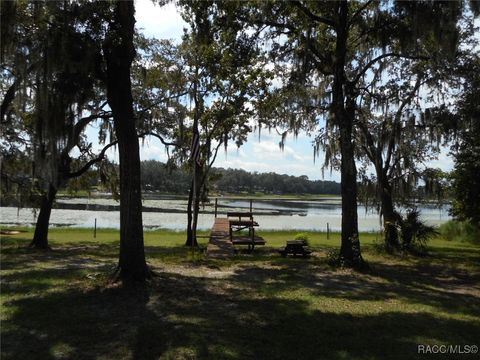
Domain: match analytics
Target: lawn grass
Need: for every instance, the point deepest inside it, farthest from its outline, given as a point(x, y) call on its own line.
point(60, 304)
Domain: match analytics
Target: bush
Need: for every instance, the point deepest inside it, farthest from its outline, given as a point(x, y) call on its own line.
point(414, 232)
point(460, 231)
point(302, 236)
point(411, 234)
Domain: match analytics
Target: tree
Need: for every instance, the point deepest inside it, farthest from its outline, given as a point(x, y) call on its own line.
point(315, 37)
point(224, 75)
point(119, 52)
point(465, 179)
point(397, 138)
point(68, 40)
point(49, 64)
point(401, 117)
point(336, 46)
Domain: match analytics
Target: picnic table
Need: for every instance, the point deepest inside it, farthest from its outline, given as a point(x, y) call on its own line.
point(295, 247)
point(239, 221)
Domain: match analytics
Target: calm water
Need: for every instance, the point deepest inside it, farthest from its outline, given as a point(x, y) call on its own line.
point(270, 214)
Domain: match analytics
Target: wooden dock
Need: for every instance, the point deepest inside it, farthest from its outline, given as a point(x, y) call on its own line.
point(220, 246)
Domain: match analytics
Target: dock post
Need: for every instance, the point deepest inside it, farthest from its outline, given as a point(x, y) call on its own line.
point(216, 205)
point(95, 229)
point(251, 205)
point(328, 231)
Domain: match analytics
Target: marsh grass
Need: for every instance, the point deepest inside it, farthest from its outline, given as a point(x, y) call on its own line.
point(460, 231)
point(60, 304)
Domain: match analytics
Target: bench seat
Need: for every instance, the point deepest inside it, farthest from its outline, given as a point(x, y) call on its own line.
point(246, 240)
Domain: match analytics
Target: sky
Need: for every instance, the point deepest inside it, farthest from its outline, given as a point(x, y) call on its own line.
point(261, 154)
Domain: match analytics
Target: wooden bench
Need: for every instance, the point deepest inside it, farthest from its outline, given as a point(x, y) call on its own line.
point(240, 215)
point(243, 221)
point(295, 247)
point(247, 240)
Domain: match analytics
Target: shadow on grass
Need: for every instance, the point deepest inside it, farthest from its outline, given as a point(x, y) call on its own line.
point(448, 289)
point(78, 256)
point(468, 253)
point(54, 312)
point(182, 317)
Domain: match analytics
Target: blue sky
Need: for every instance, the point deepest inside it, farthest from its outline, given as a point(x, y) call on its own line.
point(262, 155)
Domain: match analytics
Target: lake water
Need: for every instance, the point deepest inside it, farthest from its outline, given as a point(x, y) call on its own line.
point(270, 214)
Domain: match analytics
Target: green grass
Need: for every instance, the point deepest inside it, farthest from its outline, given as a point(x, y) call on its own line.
point(60, 304)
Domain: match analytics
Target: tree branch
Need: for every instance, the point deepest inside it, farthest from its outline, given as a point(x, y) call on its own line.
point(398, 114)
point(359, 11)
point(7, 100)
point(79, 127)
point(311, 15)
point(264, 22)
point(396, 161)
point(215, 154)
point(209, 165)
point(166, 143)
point(370, 146)
point(162, 100)
point(383, 56)
point(87, 166)
point(10, 94)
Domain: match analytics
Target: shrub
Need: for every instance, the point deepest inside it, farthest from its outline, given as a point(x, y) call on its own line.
point(414, 232)
point(411, 234)
point(460, 231)
point(302, 236)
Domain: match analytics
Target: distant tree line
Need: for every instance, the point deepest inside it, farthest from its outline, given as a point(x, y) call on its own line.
point(157, 176)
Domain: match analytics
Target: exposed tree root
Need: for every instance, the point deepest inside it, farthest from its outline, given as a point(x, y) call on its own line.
point(137, 278)
point(34, 245)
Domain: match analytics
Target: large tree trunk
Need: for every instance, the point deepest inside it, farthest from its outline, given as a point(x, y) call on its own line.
point(119, 52)
point(193, 208)
point(196, 204)
point(191, 241)
point(350, 248)
point(344, 115)
point(391, 219)
point(40, 237)
point(194, 193)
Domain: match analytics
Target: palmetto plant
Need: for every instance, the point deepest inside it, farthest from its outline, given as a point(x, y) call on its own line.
point(414, 232)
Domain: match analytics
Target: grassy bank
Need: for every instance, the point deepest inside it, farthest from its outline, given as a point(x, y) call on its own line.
point(60, 304)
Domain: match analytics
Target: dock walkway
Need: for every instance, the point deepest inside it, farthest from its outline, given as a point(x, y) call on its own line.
point(220, 246)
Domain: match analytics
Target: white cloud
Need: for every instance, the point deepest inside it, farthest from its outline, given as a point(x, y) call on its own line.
point(266, 156)
point(150, 152)
point(444, 161)
point(112, 154)
point(162, 22)
point(290, 168)
point(270, 149)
